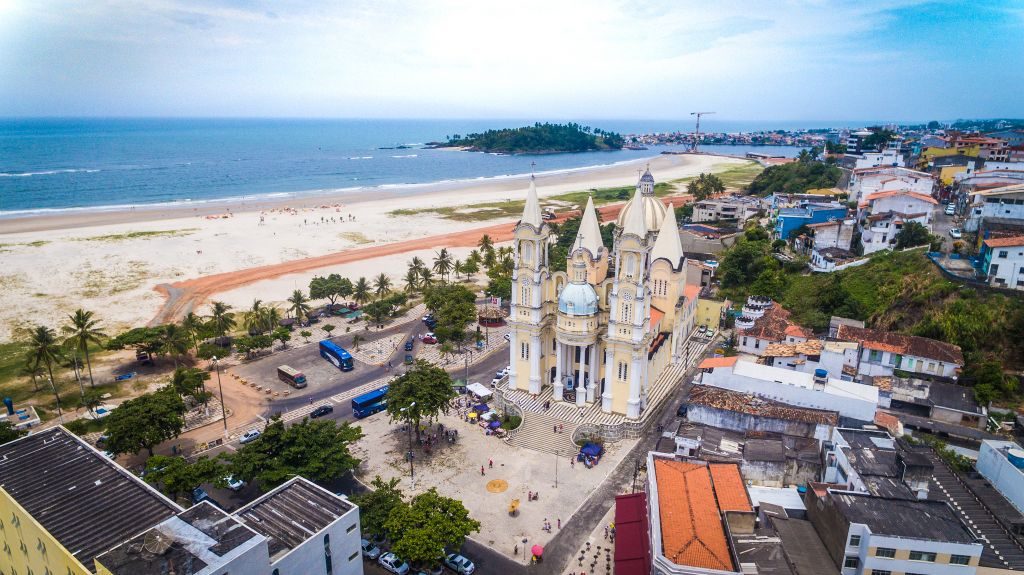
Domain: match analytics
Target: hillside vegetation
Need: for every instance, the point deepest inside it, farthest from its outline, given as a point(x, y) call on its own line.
point(795, 178)
point(540, 139)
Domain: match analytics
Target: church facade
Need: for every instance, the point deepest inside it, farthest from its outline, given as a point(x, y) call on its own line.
point(605, 329)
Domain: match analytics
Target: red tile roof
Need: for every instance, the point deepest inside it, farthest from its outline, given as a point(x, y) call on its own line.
point(691, 523)
point(632, 543)
point(729, 488)
point(718, 362)
point(1005, 242)
point(773, 325)
point(891, 193)
point(903, 344)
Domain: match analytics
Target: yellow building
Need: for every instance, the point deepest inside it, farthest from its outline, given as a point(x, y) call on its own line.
point(947, 174)
point(710, 311)
point(606, 328)
point(929, 154)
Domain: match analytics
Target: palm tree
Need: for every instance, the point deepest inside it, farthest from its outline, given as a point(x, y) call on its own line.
point(174, 341)
point(356, 340)
point(193, 326)
point(489, 259)
point(361, 291)
point(381, 285)
point(485, 244)
point(223, 320)
point(443, 263)
point(44, 348)
point(254, 319)
point(412, 280)
point(81, 331)
point(416, 263)
point(300, 304)
point(271, 317)
point(32, 369)
point(426, 278)
point(458, 268)
point(506, 264)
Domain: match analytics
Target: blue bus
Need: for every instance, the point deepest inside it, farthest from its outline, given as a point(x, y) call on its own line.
point(336, 355)
point(370, 402)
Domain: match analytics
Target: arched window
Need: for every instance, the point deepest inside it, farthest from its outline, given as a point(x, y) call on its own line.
point(327, 554)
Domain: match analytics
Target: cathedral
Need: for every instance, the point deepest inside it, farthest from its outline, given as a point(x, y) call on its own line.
point(604, 330)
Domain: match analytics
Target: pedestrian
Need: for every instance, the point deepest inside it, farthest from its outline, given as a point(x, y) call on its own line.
point(606, 532)
point(572, 462)
point(529, 496)
point(555, 429)
point(482, 473)
point(515, 549)
point(490, 464)
point(559, 522)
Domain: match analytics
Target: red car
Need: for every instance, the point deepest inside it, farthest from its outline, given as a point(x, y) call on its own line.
point(430, 338)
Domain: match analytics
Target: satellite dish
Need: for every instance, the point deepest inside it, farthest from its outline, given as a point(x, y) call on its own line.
point(156, 542)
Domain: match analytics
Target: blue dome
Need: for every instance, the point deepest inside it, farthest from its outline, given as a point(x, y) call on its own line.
point(578, 299)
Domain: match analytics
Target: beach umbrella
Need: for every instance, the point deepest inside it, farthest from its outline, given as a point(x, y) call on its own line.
point(537, 550)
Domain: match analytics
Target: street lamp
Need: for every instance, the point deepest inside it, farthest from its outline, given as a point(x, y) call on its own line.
point(223, 410)
point(468, 358)
point(412, 472)
point(558, 455)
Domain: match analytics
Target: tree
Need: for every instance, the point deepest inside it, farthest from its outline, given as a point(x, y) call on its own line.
point(705, 186)
point(361, 291)
point(500, 287)
point(193, 326)
point(173, 341)
point(416, 263)
point(412, 280)
point(223, 320)
point(422, 392)
point(426, 278)
point(145, 339)
point(176, 476)
point(305, 334)
point(331, 288)
point(381, 285)
point(471, 266)
point(9, 433)
point(271, 317)
point(377, 311)
point(82, 330)
point(300, 305)
point(431, 523)
point(315, 449)
point(913, 234)
point(376, 505)
point(255, 318)
point(443, 263)
point(879, 139)
point(189, 381)
point(282, 335)
point(328, 328)
point(356, 340)
point(145, 421)
point(486, 244)
point(44, 348)
point(31, 368)
point(458, 268)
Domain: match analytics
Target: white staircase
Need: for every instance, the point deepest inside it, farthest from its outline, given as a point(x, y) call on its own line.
point(537, 433)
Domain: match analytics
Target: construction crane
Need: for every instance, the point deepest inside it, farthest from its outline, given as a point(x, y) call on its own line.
point(696, 136)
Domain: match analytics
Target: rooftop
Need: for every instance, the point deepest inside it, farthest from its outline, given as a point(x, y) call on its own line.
point(692, 533)
point(803, 547)
point(750, 404)
point(774, 325)
point(805, 380)
point(1005, 242)
point(713, 362)
point(908, 518)
point(809, 347)
point(200, 540)
point(86, 501)
point(903, 344)
point(953, 396)
point(292, 513)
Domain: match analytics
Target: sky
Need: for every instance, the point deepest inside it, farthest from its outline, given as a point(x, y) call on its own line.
point(900, 60)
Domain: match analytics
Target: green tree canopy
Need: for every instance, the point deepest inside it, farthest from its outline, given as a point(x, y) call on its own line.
point(189, 381)
point(544, 137)
point(175, 476)
point(315, 449)
point(9, 433)
point(145, 421)
point(330, 288)
point(705, 186)
point(376, 505)
point(913, 234)
point(427, 386)
point(454, 308)
point(431, 523)
point(795, 178)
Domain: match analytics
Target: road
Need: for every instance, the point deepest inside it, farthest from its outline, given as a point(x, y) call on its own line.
point(941, 224)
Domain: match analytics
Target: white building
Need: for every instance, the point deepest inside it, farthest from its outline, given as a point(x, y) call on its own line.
point(1003, 261)
point(739, 208)
point(882, 352)
point(764, 322)
point(849, 399)
point(867, 181)
point(1002, 205)
point(886, 158)
point(883, 215)
point(1002, 463)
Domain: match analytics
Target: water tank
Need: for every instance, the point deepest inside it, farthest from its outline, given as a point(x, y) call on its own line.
point(821, 373)
point(1016, 457)
point(10, 405)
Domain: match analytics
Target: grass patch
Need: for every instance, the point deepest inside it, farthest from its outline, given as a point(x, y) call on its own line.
point(355, 237)
point(99, 282)
point(739, 176)
point(140, 235)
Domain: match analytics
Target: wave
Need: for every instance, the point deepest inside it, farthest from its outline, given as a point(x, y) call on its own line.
point(360, 157)
point(47, 172)
point(406, 156)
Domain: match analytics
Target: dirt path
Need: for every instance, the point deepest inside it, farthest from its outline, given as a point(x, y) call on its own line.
point(182, 297)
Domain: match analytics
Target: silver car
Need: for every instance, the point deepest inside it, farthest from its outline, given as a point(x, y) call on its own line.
point(459, 564)
point(370, 551)
point(392, 563)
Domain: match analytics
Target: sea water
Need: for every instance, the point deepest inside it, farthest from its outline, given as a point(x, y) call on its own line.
point(51, 165)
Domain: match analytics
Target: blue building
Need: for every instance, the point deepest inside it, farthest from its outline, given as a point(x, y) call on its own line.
point(790, 219)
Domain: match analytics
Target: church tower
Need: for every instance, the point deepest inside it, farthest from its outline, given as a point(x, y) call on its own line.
point(629, 306)
point(527, 316)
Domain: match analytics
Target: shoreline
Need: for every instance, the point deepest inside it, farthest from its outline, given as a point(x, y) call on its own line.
point(48, 219)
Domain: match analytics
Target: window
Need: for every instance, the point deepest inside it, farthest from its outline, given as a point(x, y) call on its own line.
point(922, 556)
point(1003, 254)
point(887, 552)
point(854, 540)
point(880, 572)
point(351, 528)
point(875, 356)
point(327, 554)
point(353, 556)
point(851, 563)
point(524, 350)
point(960, 559)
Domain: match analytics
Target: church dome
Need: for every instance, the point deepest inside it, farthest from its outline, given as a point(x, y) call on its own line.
point(654, 212)
point(578, 299)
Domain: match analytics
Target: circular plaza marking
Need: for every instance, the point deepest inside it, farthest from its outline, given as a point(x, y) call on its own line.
point(497, 485)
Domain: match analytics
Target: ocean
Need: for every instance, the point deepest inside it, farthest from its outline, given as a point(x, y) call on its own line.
point(49, 165)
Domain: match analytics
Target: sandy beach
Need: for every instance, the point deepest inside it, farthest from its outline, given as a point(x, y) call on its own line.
point(111, 262)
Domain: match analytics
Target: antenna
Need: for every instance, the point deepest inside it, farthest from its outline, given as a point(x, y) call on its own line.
point(696, 137)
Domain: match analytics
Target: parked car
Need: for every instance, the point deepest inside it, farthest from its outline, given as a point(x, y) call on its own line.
point(430, 337)
point(502, 372)
point(432, 323)
point(950, 209)
point(321, 411)
point(234, 484)
point(459, 564)
point(249, 436)
point(409, 359)
point(408, 345)
point(429, 570)
point(392, 563)
point(370, 551)
point(955, 233)
point(199, 495)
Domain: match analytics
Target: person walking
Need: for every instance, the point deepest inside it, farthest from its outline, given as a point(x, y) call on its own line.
point(572, 462)
point(490, 464)
point(559, 522)
point(482, 473)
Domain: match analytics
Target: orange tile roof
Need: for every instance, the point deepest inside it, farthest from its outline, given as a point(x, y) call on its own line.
point(691, 291)
point(798, 331)
point(718, 362)
point(691, 523)
point(891, 193)
point(656, 315)
point(1005, 242)
point(729, 488)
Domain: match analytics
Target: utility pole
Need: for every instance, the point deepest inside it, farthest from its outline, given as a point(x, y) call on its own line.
point(696, 136)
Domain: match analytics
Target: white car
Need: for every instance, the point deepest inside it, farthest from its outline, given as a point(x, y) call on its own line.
point(234, 484)
point(950, 209)
point(955, 233)
point(459, 564)
point(392, 563)
point(248, 436)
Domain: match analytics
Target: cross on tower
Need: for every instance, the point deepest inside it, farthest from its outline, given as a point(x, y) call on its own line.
point(532, 166)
